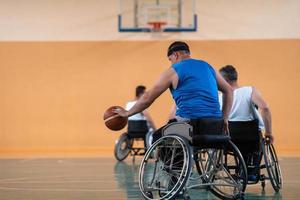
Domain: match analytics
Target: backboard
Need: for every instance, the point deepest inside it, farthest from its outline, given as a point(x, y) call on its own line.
point(157, 15)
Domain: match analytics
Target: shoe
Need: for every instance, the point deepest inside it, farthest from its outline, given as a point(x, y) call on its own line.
point(252, 177)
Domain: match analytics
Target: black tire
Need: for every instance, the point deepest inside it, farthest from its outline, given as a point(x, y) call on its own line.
point(272, 165)
point(230, 179)
point(165, 168)
point(123, 147)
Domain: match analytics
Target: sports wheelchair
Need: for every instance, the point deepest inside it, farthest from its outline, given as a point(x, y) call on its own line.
point(138, 130)
point(253, 146)
point(189, 156)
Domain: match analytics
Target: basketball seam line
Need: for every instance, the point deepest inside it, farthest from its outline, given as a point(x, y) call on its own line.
point(112, 117)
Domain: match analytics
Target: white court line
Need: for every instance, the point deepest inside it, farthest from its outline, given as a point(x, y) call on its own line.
point(61, 162)
point(13, 179)
point(35, 179)
point(95, 161)
point(65, 190)
point(86, 181)
point(27, 160)
point(60, 177)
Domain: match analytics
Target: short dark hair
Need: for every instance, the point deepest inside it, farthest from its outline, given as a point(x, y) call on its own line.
point(229, 73)
point(178, 46)
point(140, 89)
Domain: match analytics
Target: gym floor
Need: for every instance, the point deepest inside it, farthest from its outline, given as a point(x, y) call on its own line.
point(105, 178)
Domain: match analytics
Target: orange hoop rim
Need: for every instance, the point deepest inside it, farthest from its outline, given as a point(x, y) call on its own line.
point(157, 25)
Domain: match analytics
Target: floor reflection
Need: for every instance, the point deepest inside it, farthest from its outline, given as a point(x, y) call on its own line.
point(127, 178)
point(126, 174)
point(105, 178)
point(263, 196)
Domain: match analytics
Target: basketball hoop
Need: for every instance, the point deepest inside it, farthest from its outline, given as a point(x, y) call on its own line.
point(157, 16)
point(157, 25)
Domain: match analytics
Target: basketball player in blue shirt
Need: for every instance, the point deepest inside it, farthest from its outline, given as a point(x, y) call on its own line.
point(194, 85)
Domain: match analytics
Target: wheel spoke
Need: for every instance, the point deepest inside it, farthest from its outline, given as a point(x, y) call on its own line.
point(165, 173)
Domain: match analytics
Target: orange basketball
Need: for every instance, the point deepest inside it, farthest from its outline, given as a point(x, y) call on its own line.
point(112, 120)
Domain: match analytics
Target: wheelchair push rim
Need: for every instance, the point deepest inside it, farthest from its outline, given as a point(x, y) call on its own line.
point(272, 165)
point(165, 168)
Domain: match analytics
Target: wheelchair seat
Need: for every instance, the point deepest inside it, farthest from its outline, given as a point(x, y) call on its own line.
point(244, 131)
point(246, 135)
point(137, 128)
point(208, 132)
point(180, 128)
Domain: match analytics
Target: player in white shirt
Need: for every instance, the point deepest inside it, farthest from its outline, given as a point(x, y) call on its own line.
point(245, 101)
point(139, 91)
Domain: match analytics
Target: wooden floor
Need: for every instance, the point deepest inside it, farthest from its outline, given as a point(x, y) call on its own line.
point(105, 178)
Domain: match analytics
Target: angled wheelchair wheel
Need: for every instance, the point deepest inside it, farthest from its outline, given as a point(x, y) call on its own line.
point(149, 139)
point(123, 147)
point(165, 168)
point(272, 165)
point(229, 179)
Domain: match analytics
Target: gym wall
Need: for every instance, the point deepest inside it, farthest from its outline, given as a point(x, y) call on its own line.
point(63, 63)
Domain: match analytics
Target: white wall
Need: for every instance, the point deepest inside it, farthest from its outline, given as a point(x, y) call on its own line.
point(33, 20)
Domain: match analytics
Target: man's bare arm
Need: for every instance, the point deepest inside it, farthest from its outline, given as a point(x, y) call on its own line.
point(227, 91)
point(264, 109)
point(161, 85)
point(172, 112)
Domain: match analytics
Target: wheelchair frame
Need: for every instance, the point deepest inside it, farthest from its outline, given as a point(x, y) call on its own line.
point(267, 153)
point(271, 164)
point(169, 174)
point(125, 145)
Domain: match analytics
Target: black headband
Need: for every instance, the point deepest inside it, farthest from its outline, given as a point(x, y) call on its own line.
point(178, 48)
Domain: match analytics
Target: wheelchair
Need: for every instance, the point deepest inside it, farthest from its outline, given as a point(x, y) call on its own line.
point(191, 156)
point(257, 152)
point(138, 130)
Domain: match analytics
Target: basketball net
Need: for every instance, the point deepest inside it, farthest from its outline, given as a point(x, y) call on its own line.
point(157, 25)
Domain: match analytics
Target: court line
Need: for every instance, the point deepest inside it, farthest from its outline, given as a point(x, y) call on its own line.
point(65, 190)
point(27, 160)
point(67, 181)
point(13, 179)
point(61, 177)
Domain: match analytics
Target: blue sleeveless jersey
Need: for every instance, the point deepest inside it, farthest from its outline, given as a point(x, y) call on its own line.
point(196, 95)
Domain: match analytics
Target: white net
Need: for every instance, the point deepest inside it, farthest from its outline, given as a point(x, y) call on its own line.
point(165, 13)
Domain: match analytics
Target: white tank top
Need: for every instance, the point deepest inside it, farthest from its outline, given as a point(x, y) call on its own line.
point(138, 116)
point(242, 109)
point(242, 106)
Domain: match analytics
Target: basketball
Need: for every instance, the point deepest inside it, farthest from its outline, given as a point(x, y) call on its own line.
point(112, 120)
